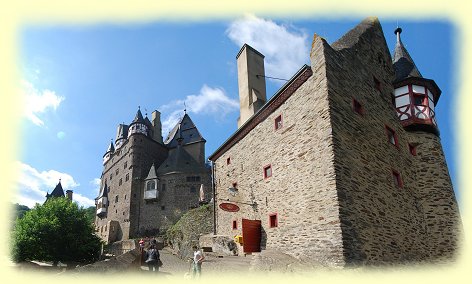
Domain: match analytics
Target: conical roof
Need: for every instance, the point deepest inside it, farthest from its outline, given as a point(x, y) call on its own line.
point(121, 132)
point(103, 191)
point(152, 173)
point(138, 118)
point(111, 148)
point(58, 191)
point(188, 132)
point(403, 64)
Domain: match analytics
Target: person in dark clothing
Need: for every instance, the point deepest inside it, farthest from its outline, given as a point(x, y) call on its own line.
point(153, 258)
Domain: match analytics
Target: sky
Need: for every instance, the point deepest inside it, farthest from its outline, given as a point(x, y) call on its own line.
point(80, 81)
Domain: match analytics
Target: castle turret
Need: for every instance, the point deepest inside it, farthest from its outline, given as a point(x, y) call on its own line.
point(102, 201)
point(121, 135)
point(138, 125)
point(433, 197)
point(108, 153)
point(251, 82)
point(415, 97)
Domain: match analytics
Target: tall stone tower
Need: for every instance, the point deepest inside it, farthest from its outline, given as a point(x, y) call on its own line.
point(251, 82)
point(343, 165)
point(415, 100)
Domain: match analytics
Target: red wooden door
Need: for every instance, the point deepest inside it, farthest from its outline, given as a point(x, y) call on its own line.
point(251, 235)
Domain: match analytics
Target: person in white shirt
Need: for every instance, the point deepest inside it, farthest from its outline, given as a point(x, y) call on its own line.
point(197, 261)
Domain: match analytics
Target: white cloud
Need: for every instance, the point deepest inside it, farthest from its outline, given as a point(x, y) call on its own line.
point(37, 102)
point(96, 183)
point(285, 48)
point(33, 185)
point(210, 101)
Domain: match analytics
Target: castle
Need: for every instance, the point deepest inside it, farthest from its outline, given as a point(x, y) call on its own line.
point(147, 183)
point(344, 164)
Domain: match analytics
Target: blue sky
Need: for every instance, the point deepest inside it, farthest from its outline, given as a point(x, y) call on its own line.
point(79, 82)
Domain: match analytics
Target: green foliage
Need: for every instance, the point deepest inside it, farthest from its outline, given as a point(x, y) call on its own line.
point(91, 211)
point(55, 231)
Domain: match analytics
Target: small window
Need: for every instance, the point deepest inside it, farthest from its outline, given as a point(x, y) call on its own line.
point(117, 171)
point(357, 107)
point(397, 180)
point(235, 225)
point(125, 165)
point(412, 149)
point(116, 198)
point(235, 184)
point(151, 185)
point(134, 195)
point(278, 122)
point(267, 171)
point(420, 100)
point(163, 207)
point(163, 187)
point(111, 176)
point(377, 84)
point(273, 220)
point(125, 196)
point(392, 136)
point(228, 160)
point(127, 177)
point(120, 182)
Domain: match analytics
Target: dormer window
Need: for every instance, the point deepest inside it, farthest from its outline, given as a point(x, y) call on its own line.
point(151, 191)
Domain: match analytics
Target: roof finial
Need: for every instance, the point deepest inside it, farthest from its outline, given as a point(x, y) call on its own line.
point(398, 31)
point(145, 111)
point(185, 108)
point(59, 180)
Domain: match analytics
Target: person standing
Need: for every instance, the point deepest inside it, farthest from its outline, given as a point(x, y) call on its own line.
point(197, 261)
point(152, 258)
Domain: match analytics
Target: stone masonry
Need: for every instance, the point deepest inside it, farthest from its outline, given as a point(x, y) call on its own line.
point(332, 168)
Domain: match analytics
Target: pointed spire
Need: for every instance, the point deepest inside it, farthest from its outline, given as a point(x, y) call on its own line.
point(111, 148)
point(403, 64)
point(139, 116)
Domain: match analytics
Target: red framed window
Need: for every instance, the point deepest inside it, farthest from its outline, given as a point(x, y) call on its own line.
point(228, 160)
point(397, 179)
point(278, 122)
point(235, 184)
point(412, 149)
point(273, 222)
point(391, 136)
point(235, 225)
point(357, 107)
point(267, 171)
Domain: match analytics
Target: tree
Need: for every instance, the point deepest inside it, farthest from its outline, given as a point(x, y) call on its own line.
point(91, 212)
point(56, 231)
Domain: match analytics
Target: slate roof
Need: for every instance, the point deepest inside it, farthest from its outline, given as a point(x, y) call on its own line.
point(57, 191)
point(403, 64)
point(138, 118)
point(122, 132)
point(188, 131)
point(152, 173)
point(179, 161)
point(103, 191)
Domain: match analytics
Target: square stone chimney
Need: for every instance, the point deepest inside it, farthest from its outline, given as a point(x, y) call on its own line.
point(251, 82)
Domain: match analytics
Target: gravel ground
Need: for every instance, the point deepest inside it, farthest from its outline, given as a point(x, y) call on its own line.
point(173, 266)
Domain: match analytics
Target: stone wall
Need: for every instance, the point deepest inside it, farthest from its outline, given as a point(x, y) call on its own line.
point(380, 220)
point(179, 196)
point(301, 190)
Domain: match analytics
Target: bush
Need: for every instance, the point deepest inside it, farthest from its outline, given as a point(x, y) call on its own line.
point(56, 231)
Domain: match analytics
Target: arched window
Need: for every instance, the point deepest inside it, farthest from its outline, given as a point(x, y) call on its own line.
point(151, 185)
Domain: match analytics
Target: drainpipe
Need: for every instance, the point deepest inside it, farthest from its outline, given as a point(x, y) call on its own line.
point(213, 181)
